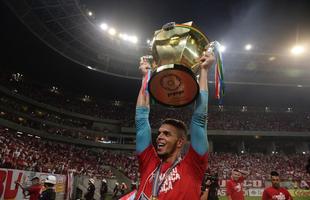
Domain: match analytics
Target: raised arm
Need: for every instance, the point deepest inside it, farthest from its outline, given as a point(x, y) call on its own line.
point(143, 128)
point(199, 140)
point(244, 173)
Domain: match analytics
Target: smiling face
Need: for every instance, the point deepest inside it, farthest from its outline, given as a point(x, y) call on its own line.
point(169, 142)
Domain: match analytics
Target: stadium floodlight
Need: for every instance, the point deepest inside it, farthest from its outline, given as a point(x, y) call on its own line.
point(248, 47)
point(133, 39)
point(104, 26)
point(90, 13)
point(298, 50)
point(112, 31)
point(124, 36)
point(222, 48)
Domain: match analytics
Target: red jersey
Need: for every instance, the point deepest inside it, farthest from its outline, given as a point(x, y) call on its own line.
point(183, 181)
point(235, 189)
point(272, 193)
point(34, 192)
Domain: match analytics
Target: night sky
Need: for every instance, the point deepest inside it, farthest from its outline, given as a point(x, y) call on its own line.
point(270, 25)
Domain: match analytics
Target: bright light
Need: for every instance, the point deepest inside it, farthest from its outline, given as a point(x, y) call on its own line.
point(112, 31)
point(90, 13)
point(129, 38)
point(124, 36)
point(297, 50)
point(242, 151)
point(304, 152)
point(104, 26)
point(248, 47)
point(222, 48)
point(89, 67)
point(300, 86)
point(148, 41)
point(133, 39)
point(272, 58)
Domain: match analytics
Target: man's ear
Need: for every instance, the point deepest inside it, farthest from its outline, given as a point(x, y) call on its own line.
point(180, 142)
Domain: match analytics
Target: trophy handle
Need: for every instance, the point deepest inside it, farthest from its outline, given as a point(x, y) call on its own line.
point(211, 47)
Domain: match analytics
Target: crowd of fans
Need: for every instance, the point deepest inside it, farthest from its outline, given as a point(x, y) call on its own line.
point(218, 119)
point(291, 167)
point(27, 152)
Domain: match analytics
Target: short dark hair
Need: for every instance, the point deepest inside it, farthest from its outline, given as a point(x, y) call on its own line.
point(35, 178)
point(49, 184)
point(180, 125)
point(274, 173)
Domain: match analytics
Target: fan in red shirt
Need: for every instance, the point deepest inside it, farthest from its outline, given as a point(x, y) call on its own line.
point(275, 192)
point(32, 191)
point(234, 186)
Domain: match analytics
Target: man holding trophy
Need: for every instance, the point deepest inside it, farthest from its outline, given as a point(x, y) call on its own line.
point(180, 53)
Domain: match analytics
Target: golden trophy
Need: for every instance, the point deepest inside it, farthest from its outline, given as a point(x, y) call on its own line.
point(176, 49)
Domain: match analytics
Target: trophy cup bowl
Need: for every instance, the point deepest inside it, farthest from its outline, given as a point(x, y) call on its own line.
point(176, 50)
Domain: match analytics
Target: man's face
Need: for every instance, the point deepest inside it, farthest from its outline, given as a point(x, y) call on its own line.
point(168, 141)
point(35, 181)
point(235, 175)
point(275, 181)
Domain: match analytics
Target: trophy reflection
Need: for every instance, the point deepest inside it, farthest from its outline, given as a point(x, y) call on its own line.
point(176, 49)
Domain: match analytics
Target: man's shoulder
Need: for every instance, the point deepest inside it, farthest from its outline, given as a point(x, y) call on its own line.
point(229, 182)
point(282, 189)
point(268, 189)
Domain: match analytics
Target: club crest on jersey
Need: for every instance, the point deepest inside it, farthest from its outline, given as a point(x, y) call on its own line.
point(238, 187)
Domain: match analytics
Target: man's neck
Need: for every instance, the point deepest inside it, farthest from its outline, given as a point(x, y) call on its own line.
point(170, 159)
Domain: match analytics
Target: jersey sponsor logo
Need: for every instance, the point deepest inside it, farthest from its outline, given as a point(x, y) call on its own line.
point(279, 196)
point(169, 180)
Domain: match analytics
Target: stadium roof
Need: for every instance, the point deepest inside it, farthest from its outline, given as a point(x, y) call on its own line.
point(268, 74)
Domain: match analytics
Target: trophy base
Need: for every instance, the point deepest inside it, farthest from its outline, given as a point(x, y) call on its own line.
point(173, 85)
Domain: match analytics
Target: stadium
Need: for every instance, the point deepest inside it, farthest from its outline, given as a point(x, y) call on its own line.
point(70, 79)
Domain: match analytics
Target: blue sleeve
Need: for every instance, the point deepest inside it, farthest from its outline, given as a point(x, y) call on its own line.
point(143, 129)
point(198, 127)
